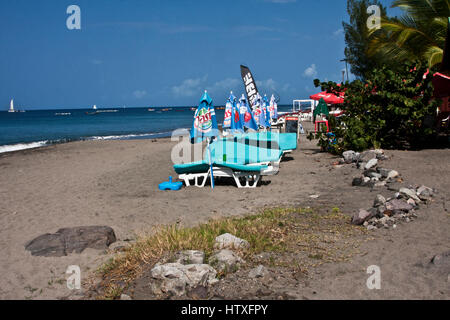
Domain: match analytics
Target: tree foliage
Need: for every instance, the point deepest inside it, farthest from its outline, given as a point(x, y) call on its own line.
point(357, 37)
point(390, 109)
point(417, 35)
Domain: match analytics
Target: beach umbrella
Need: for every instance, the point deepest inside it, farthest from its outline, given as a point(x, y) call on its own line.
point(328, 97)
point(227, 117)
point(236, 124)
point(265, 114)
point(273, 108)
point(257, 109)
point(321, 108)
point(205, 126)
point(247, 114)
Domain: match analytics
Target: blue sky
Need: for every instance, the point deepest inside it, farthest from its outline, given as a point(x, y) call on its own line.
point(142, 53)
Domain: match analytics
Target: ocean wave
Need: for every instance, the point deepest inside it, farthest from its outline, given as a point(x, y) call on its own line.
point(132, 136)
point(23, 146)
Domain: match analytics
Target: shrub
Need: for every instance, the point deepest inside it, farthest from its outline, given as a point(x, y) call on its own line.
point(391, 109)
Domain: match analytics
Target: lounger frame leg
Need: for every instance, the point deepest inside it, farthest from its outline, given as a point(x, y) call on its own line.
point(196, 177)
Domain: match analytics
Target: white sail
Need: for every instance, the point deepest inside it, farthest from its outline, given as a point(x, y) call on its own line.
point(11, 106)
point(95, 107)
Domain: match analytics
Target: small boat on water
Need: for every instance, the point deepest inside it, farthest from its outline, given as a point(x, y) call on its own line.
point(151, 109)
point(63, 114)
point(11, 107)
point(96, 111)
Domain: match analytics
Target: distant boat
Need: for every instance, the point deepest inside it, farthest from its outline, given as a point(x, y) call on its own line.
point(100, 111)
point(63, 114)
point(11, 107)
point(151, 110)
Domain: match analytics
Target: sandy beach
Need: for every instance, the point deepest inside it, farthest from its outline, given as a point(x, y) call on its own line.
point(115, 183)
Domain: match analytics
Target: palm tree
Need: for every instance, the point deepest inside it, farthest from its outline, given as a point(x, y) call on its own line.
point(417, 35)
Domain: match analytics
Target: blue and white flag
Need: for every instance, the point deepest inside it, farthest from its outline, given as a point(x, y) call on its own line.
point(265, 115)
point(273, 108)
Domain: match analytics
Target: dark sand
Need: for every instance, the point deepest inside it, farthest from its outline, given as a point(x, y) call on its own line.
point(115, 183)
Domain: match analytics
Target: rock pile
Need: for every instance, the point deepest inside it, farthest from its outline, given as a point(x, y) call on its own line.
point(387, 213)
point(188, 273)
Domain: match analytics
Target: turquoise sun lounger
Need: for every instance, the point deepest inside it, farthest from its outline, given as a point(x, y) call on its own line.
point(233, 160)
point(286, 142)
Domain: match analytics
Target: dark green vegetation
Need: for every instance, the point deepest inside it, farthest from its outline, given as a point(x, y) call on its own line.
point(391, 109)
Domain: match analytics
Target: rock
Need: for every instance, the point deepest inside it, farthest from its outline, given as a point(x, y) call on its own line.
point(411, 202)
point(379, 201)
point(225, 260)
point(410, 193)
point(367, 156)
point(375, 175)
point(349, 156)
point(176, 278)
point(68, 240)
point(361, 165)
point(441, 259)
point(360, 217)
point(228, 241)
point(374, 180)
point(371, 227)
point(388, 173)
point(258, 272)
point(424, 193)
point(125, 297)
point(371, 164)
point(398, 205)
point(379, 184)
point(118, 246)
point(394, 186)
point(357, 182)
point(381, 210)
point(190, 257)
point(392, 174)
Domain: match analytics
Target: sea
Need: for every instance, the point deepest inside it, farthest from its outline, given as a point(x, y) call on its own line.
point(38, 128)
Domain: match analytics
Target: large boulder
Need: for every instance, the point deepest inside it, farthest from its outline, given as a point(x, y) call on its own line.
point(176, 279)
point(228, 241)
point(68, 240)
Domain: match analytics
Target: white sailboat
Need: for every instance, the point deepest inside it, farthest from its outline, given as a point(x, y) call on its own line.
point(11, 106)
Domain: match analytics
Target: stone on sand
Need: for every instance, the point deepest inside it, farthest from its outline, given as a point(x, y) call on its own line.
point(349, 156)
point(371, 164)
point(225, 260)
point(190, 257)
point(398, 205)
point(176, 278)
point(258, 272)
point(410, 193)
point(228, 241)
point(360, 217)
point(379, 201)
point(68, 240)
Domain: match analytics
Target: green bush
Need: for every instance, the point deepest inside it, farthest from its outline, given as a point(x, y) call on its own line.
point(390, 109)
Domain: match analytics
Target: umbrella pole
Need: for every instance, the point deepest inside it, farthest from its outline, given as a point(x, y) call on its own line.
point(210, 163)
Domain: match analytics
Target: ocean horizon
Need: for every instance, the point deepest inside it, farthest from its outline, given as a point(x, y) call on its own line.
point(37, 128)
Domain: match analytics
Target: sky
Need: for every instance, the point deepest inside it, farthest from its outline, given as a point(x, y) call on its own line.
point(142, 53)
